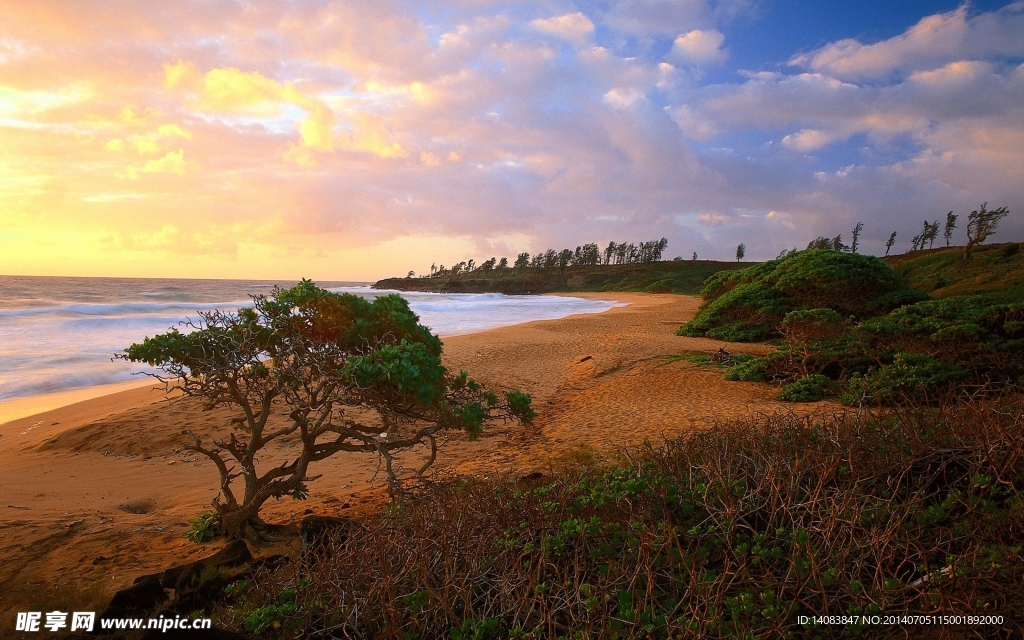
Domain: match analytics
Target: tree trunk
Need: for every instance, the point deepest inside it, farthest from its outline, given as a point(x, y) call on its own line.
point(243, 523)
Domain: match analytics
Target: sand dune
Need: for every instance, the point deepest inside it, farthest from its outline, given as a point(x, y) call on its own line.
point(98, 493)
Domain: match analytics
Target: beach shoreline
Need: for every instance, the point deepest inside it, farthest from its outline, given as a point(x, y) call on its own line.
point(99, 492)
point(29, 407)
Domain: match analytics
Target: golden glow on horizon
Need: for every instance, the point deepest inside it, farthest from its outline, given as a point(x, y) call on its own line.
point(125, 188)
point(102, 255)
point(348, 139)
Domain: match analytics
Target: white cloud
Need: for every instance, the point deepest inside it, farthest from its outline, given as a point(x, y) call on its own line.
point(691, 124)
point(700, 47)
point(574, 28)
point(623, 98)
point(807, 140)
point(954, 73)
point(714, 219)
point(933, 42)
point(482, 126)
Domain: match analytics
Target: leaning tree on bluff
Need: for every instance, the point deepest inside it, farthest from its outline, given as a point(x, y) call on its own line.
point(325, 358)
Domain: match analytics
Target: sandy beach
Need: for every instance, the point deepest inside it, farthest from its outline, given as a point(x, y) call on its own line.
point(98, 492)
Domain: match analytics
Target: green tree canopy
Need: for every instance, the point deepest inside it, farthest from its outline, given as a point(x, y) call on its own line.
point(324, 358)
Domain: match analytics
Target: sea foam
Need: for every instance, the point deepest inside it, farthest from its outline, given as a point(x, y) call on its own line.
point(59, 334)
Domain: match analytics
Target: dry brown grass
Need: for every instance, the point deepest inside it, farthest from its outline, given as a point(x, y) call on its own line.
point(732, 532)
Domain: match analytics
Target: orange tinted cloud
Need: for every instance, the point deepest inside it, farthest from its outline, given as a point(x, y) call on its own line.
point(360, 138)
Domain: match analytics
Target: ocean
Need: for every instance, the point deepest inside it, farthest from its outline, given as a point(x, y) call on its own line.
point(58, 334)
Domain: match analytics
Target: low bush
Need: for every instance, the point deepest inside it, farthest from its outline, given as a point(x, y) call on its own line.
point(661, 286)
point(807, 389)
point(733, 532)
point(749, 304)
point(915, 353)
point(751, 371)
point(747, 312)
point(910, 377)
point(203, 528)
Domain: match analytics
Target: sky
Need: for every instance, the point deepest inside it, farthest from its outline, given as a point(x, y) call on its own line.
point(354, 140)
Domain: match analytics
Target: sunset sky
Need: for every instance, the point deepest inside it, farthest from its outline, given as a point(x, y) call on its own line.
point(360, 139)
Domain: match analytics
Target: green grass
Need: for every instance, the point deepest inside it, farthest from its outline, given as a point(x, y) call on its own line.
point(992, 269)
point(681, 276)
point(704, 360)
point(995, 269)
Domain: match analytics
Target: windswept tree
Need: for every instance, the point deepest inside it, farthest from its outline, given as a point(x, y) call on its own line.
point(564, 259)
point(855, 243)
point(587, 255)
point(659, 249)
point(323, 359)
point(947, 230)
point(928, 234)
point(890, 242)
point(741, 251)
point(610, 252)
point(821, 242)
point(981, 224)
point(550, 259)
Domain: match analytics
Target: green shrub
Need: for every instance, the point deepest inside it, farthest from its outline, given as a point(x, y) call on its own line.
point(895, 300)
point(850, 283)
point(749, 304)
point(476, 630)
point(745, 313)
point(203, 528)
point(808, 389)
point(661, 286)
point(976, 333)
point(739, 331)
point(912, 377)
point(750, 371)
point(914, 352)
point(272, 616)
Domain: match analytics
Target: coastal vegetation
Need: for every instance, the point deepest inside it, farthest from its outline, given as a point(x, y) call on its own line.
point(667, 276)
point(853, 327)
point(753, 528)
point(587, 255)
point(620, 266)
point(320, 357)
point(750, 304)
point(908, 503)
point(995, 270)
